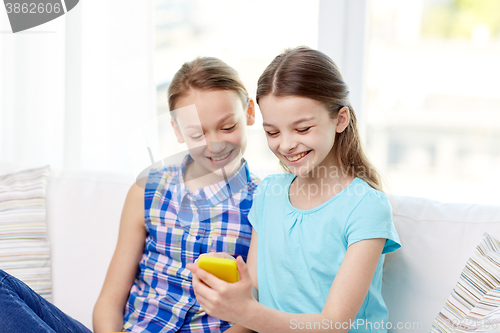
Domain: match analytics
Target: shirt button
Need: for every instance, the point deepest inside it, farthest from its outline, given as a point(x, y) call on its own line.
point(198, 237)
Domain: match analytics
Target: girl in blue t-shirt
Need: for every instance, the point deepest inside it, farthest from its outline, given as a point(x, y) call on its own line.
point(321, 230)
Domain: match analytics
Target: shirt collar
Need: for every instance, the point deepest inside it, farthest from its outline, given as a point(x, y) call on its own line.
point(218, 192)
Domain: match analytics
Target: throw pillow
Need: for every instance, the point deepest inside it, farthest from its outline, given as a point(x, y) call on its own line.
point(474, 304)
point(24, 246)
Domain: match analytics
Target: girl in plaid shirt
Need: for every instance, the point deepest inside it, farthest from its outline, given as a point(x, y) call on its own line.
point(197, 207)
point(184, 211)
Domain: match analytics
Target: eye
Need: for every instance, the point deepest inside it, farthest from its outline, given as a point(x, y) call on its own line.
point(227, 129)
point(272, 133)
point(303, 130)
point(197, 137)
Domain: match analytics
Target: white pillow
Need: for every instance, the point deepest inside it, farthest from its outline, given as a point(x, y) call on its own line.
point(437, 240)
point(474, 303)
point(24, 246)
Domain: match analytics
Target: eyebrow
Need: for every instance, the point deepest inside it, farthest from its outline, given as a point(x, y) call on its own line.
point(193, 126)
point(301, 120)
point(198, 126)
point(230, 116)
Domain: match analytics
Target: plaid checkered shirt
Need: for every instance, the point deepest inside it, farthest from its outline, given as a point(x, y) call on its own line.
point(180, 226)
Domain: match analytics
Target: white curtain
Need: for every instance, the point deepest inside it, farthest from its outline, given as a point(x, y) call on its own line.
point(74, 91)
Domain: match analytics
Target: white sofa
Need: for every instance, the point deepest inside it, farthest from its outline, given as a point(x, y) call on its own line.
point(84, 208)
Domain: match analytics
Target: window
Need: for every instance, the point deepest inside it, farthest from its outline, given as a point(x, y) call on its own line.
point(433, 97)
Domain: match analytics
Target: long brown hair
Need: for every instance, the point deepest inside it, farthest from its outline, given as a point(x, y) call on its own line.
point(205, 73)
point(309, 73)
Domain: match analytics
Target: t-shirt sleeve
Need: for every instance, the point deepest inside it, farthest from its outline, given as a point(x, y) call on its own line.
point(372, 218)
point(255, 214)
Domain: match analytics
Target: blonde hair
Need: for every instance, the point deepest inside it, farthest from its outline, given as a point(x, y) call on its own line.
point(205, 73)
point(309, 73)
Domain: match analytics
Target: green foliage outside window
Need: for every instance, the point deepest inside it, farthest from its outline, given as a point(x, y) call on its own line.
point(457, 18)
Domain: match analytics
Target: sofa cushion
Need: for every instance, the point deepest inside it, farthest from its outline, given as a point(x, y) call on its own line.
point(475, 297)
point(437, 239)
point(24, 246)
point(83, 214)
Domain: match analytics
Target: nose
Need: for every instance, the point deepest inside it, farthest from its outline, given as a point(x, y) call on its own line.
point(216, 147)
point(215, 144)
point(287, 144)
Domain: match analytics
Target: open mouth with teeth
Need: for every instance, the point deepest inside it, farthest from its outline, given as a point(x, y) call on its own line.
point(220, 158)
point(297, 157)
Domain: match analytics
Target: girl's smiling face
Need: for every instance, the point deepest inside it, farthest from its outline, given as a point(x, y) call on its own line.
point(300, 132)
point(214, 130)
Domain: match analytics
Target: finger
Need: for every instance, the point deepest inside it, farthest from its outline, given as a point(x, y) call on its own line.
point(204, 303)
point(197, 280)
point(196, 285)
point(201, 289)
point(192, 266)
point(242, 269)
point(210, 280)
point(202, 300)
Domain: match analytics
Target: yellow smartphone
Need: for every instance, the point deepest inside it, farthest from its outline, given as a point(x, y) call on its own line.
point(224, 269)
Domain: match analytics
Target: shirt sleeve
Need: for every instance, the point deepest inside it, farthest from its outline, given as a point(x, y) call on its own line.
point(372, 218)
point(255, 214)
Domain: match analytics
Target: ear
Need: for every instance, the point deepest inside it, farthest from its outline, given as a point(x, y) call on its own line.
point(251, 113)
point(343, 119)
point(177, 131)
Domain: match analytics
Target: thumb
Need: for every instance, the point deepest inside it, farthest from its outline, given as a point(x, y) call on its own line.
point(242, 269)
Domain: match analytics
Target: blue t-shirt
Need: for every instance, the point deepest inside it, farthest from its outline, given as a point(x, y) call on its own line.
point(299, 252)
